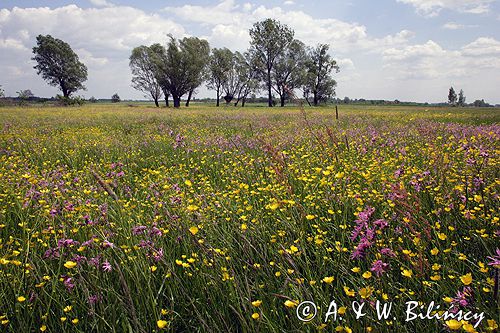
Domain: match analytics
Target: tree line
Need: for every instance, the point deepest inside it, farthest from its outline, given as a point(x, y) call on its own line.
point(275, 62)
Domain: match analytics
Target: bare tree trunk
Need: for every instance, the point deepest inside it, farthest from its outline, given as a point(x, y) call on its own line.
point(282, 98)
point(177, 101)
point(156, 102)
point(166, 101)
point(189, 97)
point(218, 96)
point(243, 102)
point(270, 96)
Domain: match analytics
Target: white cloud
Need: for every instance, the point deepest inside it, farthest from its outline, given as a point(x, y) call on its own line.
point(431, 61)
point(483, 46)
point(101, 3)
point(453, 26)
point(289, 2)
point(12, 44)
point(432, 7)
point(102, 37)
point(229, 26)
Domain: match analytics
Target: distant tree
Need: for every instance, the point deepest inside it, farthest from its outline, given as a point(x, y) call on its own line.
point(142, 64)
point(452, 97)
point(197, 52)
point(59, 65)
point(289, 71)
point(2, 92)
point(480, 103)
point(269, 39)
point(92, 99)
point(115, 98)
point(25, 94)
point(461, 98)
point(347, 100)
point(180, 69)
point(249, 78)
point(219, 66)
point(236, 76)
point(318, 81)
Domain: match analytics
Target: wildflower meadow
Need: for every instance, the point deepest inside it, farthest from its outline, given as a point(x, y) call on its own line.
point(117, 218)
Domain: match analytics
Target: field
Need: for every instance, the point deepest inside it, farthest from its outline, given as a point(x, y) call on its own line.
point(135, 219)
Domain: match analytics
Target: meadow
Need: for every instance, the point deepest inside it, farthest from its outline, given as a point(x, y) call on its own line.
point(116, 218)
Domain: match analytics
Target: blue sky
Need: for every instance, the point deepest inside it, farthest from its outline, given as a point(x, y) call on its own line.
point(390, 49)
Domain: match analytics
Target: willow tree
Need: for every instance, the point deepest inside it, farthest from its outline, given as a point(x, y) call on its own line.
point(59, 65)
point(269, 39)
point(142, 65)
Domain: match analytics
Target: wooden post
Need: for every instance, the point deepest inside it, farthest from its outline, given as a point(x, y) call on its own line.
point(336, 112)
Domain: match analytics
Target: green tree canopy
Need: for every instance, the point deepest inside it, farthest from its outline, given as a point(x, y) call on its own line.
point(59, 65)
point(142, 65)
point(269, 39)
point(318, 81)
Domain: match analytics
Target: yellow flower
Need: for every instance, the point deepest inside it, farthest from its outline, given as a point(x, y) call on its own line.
point(69, 264)
point(342, 310)
point(407, 272)
point(193, 230)
point(469, 328)
point(162, 323)
point(453, 324)
point(365, 292)
point(466, 279)
point(349, 292)
point(255, 315)
point(75, 321)
point(367, 275)
point(244, 226)
point(43, 328)
point(188, 183)
point(63, 319)
point(339, 175)
point(355, 269)
point(257, 303)
point(274, 206)
point(492, 324)
point(310, 217)
point(67, 308)
point(434, 251)
point(21, 299)
point(328, 279)
point(192, 208)
point(290, 304)
point(153, 268)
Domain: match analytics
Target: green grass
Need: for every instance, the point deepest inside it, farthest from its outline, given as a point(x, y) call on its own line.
point(241, 205)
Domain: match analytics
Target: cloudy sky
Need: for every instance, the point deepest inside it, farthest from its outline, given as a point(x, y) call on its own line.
point(411, 50)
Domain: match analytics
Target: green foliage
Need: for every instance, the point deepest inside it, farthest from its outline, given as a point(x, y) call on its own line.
point(115, 98)
point(289, 71)
point(269, 39)
point(461, 98)
point(180, 67)
point(142, 64)
point(59, 65)
point(452, 97)
point(219, 65)
point(70, 101)
point(318, 82)
point(2, 92)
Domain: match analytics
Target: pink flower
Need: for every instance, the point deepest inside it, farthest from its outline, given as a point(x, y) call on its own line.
point(106, 266)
